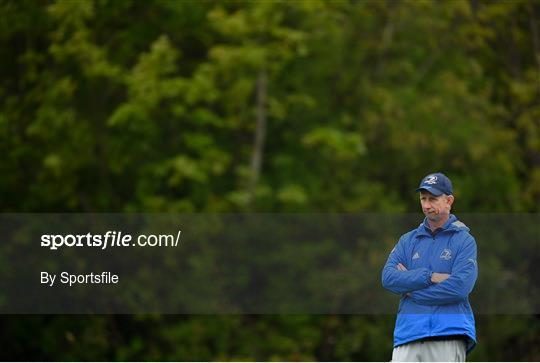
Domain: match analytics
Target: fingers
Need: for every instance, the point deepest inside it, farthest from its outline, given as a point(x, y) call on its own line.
point(401, 267)
point(439, 277)
point(444, 276)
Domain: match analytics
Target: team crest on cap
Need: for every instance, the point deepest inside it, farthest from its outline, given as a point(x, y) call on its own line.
point(432, 179)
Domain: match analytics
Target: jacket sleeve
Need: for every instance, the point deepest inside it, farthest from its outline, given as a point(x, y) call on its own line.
point(401, 282)
point(460, 283)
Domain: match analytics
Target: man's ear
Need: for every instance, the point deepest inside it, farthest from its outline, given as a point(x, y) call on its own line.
point(450, 200)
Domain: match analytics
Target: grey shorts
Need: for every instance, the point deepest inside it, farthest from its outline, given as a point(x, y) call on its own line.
point(431, 351)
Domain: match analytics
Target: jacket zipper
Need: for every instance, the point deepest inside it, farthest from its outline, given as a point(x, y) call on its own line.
point(431, 268)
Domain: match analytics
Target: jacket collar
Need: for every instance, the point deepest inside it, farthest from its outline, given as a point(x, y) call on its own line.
point(452, 224)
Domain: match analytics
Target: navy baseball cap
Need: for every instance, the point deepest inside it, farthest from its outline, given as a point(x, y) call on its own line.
point(436, 184)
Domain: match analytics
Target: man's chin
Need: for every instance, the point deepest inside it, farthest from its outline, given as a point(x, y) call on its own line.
point(434, 217)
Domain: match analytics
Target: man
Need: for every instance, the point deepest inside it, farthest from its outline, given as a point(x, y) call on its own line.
point(433, 268)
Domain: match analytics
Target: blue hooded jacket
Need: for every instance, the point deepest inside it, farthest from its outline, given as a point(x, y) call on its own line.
point(427, 309)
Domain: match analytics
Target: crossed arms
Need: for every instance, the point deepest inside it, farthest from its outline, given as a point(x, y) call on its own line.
point(428, 287)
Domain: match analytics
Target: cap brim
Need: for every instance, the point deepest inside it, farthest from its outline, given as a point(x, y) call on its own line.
point(436, 192)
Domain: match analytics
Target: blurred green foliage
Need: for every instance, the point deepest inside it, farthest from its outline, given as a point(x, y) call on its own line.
point(129, 106)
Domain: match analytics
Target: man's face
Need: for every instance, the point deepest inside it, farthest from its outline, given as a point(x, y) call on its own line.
point(435, 208)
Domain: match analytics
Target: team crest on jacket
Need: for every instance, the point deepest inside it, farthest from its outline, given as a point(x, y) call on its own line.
point(446, 254)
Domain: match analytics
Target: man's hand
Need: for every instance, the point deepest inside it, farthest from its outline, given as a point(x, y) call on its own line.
point(438, 277)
